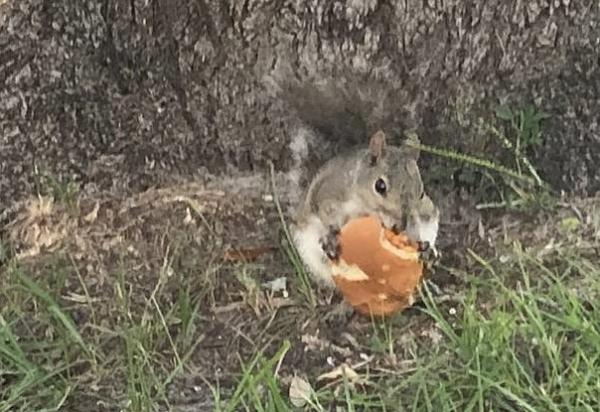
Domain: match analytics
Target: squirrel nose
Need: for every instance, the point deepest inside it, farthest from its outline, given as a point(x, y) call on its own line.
point(423, 246)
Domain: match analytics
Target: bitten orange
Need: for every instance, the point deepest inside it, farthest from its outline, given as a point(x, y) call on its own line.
point(377, 271)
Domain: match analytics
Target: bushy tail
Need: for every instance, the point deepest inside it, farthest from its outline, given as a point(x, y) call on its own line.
point(345, 111)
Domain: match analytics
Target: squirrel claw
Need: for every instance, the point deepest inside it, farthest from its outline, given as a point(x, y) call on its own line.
point(331, 245)
point(423, 247)
point(430, 256)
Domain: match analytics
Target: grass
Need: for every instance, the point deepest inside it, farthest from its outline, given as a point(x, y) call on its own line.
point(257, 388)
point(508, 179)
point(63, 190)
point(24, 364)
point(531, 347)
point(45, 357)
point(169, 331)
point(522, 337)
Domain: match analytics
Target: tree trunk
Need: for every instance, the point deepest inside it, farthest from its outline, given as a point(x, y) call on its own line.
point(116, 93)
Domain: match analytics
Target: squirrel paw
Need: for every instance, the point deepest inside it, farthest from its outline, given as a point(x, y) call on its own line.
point(330, 244)
point(423, 247)
point(429, 255)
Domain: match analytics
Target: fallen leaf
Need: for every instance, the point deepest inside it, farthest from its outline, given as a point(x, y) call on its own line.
point(340, 371)
point(93, 215)
point(188, 217)
point(300, 392)
point(481, 229)
point(276, 285)
point(79, 298)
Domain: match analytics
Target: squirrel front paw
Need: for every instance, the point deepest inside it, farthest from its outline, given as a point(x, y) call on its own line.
point(330, 243)
point(428, 254)
point(423, 246)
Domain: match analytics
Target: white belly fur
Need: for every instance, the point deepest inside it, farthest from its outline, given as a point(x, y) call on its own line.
point(307, 242)
point(424, 231)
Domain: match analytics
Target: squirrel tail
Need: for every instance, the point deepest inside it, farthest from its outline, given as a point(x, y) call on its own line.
point(346, 111)
point(332, 115)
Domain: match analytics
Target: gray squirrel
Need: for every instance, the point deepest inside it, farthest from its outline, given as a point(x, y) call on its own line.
point(374, 178)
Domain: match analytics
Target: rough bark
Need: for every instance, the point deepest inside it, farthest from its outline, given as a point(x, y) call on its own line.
point(123, 94)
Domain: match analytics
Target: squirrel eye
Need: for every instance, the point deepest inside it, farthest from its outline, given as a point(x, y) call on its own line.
point(380, 186)
point(422, 195)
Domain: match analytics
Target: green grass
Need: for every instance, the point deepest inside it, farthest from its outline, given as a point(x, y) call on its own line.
point(531, 347)
point(28, 381)
point(523, 339)
point(46, 358)
point(62, 190)
point(521, 334)
point(257, 388)
point(508, 179)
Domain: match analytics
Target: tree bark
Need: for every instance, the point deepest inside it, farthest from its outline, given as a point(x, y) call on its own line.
point(121, 94)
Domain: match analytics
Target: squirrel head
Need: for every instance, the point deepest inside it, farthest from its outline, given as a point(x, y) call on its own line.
point(390, 185)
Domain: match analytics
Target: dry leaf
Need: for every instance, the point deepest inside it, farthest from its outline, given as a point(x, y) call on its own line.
point(93, 215)
point(480, 229)
point(340, 371)
point(276, 285)
point(300, 392)
point(79, 298)
point(188, 217)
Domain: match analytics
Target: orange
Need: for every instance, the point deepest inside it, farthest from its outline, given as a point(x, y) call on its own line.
point(377, 271)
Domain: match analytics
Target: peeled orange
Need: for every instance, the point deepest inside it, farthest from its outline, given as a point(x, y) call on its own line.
point(377, 271)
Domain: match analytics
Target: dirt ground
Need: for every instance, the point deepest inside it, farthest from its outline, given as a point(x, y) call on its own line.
point(184, 237)
point(195, 240)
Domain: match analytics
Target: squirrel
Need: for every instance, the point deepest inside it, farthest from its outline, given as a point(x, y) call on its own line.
point(372, 179)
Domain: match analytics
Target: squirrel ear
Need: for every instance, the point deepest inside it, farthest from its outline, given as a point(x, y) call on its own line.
point(411, 143)
point(376, 146)
point(412, 168)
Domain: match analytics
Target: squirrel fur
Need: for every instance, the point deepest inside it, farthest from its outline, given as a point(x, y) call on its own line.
point(369, 176)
